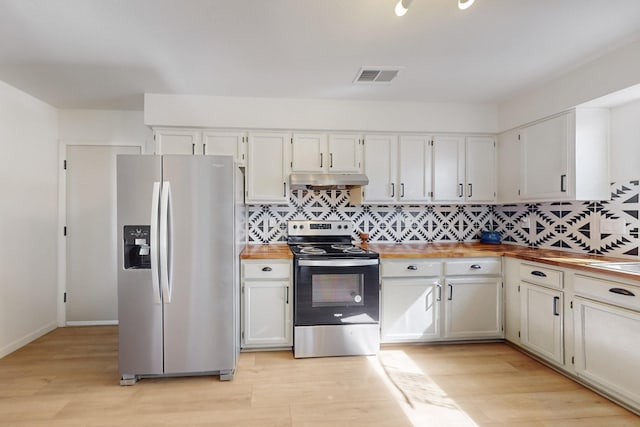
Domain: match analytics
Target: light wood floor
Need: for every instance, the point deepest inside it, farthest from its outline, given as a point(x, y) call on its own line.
point(70, 378)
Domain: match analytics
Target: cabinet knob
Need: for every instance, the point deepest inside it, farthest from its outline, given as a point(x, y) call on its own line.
point(412, 267)
point(476, 266)
point(266, 268)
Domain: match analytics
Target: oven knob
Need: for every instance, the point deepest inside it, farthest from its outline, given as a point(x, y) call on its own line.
point(339, 227)
point(301, 227)
point(295, 226)
point(357, 298)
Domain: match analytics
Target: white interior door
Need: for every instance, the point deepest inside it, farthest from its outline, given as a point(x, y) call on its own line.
point(91, 233)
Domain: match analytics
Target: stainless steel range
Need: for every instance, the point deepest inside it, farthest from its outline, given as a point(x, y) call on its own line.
point(336, 289)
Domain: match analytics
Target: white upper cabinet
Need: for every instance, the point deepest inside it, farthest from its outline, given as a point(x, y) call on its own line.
point(463, 169)
point(225, 143)
point(195, 142)
point(380, 163)
point(480, 156)
point(177, 141)
point(398, 168)
point(321, 153)
point(345, 153)
point(267, 167)
point(566, 157)
point(414, 169)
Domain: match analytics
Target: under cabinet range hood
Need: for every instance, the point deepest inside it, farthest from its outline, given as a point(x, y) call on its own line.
point(327, 181)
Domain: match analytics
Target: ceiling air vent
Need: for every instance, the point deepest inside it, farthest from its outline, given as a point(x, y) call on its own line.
point(376, 75)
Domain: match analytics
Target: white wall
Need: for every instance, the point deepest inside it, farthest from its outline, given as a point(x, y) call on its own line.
point(317, 114)
point(29, 224)
point(103, 127)
point(93, 127)
point(609, 73)
point(625, 142)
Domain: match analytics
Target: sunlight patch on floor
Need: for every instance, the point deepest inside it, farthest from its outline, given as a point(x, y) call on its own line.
point(422, 400)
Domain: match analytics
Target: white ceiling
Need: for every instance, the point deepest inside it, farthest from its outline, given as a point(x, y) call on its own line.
point(107, 53)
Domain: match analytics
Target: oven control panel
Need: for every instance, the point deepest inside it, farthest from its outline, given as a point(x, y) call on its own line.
point(320, 228)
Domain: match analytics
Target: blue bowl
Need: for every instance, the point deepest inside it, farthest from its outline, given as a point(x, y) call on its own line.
point(492, 237)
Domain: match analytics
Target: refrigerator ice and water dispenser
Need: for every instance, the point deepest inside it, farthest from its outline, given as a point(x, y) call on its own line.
point(136, 246)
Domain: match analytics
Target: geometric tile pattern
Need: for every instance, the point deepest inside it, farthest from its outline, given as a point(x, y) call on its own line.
point(458, 223)
point(573, 226)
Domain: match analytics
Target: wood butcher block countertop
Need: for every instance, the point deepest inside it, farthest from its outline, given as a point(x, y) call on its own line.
point(558, 258)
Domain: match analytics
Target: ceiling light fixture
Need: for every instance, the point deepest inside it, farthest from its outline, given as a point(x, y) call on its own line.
point(464, 4)
point(402, 7)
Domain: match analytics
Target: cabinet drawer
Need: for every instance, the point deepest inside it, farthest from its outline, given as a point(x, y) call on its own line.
point(266, 270)
point(607, 291)
point(541, 275)
point(411, 268)
point(474, 266)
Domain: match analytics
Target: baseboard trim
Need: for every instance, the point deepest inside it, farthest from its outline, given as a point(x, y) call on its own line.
point(92, 323)
point(21, 342)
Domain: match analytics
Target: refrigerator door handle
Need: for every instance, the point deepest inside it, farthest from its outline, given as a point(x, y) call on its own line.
point(153, 243)
point(165, 242)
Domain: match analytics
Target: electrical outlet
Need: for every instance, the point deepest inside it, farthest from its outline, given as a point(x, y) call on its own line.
point(525, 222)
point(612, 226)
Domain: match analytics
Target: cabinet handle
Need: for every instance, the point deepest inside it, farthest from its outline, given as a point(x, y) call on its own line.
point(402, 189)
point(412, 267)
point(621, 291)
point(556, 300)
point(286, 295)
point(476, 266)
point(331, 160)
point(193, 148)
point(439, 286)
point(563, 183)
point(266, 268)
point(284, 189)
point(393, 189)
point(460, 190)
point(321, 158)
point(450, 292)
point(538, 273)
point(204, 149)
point(470, 190)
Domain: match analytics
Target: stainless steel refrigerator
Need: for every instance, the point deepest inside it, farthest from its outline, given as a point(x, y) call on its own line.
point(180, 225)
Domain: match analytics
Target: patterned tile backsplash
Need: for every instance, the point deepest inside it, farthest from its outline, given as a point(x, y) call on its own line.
point(568, 225)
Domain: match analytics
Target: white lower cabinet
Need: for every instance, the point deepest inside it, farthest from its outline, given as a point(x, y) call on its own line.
point(420, 303)
point(607, 332)
point(541, 325)
point(410, 309)
point(267, 304)
point(473, 308)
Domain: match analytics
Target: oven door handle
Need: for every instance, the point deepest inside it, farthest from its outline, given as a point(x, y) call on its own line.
point(337, 262)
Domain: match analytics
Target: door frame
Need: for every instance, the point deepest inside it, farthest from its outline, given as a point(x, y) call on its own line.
point(62, 219)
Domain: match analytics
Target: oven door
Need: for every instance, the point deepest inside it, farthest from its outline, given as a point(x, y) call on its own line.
point(336, 291)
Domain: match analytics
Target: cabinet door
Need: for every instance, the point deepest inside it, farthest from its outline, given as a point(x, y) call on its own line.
point(380, 162)
point(266, 171)
point(607, 348)
point(410, 310)
point(541, 324)
point(345, 153)
point(480, 172)
point(176, 141)
point(266, 314)
point(448, 169)
point(545, 159)
point(308, 152)
point(225, 143)
point(414, 153)
point(473, 308)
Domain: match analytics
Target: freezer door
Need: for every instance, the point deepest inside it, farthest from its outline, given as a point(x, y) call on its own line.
point(199, 318)
point(139, 305)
